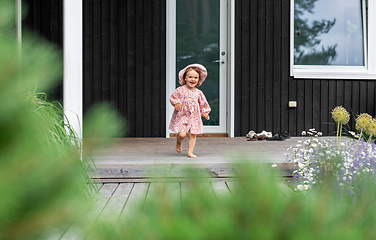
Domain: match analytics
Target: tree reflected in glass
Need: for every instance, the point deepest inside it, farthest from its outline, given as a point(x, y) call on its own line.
point(197, 41)
point(328, 32)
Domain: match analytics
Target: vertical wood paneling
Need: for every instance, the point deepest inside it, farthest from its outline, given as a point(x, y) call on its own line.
point(269, 89)
point(156, 86)
point(308, 105)
point(332, 104)
point(363, 96)
point(54, 21)
point(131, 66)
point(263, 84)
point(97, 53)
point(253, 95)
point(148, 51)
point(139, 90)
point(106, 50)
point(347, 101)
point(300, 97)
point(277, 47)
point(292, 112)
point(239, 73)
point(114, 54)
point(36, 17)
point(371, 96)
point(162, 67)
point(123, 66)
point(261, 65)
point(285, 64)
point(126, 42)
point(45, 15)
point(88, 63)
point(316, 102)
point(245, 60)
point(324, 106)
point(124, 63)
point(45, 20)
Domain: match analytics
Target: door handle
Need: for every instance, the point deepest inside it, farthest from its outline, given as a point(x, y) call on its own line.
point(219, 61)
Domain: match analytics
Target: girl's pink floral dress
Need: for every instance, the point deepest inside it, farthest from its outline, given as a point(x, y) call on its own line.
point(188, 118)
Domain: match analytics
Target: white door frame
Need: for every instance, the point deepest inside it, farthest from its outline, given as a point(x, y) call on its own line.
point(227, 87)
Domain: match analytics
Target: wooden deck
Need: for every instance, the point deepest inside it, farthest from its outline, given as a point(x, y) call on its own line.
point(132, 169)
point(117, 200)
point(131, 159)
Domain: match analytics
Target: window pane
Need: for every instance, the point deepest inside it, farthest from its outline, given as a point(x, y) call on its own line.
point(328, 32)
point(197, 41)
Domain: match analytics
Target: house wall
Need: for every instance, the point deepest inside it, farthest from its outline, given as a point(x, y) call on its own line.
point(44, 19)
point(263, 85)
point(124, 64)
point(125, 61)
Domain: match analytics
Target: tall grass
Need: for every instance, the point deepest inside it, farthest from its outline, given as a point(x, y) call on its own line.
point(62, 134)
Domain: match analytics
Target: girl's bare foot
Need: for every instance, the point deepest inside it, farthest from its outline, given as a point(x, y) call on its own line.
point(191, 155)
point(178, 147)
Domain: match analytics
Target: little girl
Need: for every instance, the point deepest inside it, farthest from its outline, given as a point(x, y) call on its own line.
point(190, 104)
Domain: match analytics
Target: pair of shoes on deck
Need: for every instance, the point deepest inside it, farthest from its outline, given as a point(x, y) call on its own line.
point(279, 137)
point(252, 136)
point(267, 134)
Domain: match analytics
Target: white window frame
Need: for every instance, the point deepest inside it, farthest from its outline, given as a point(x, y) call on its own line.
point(340, 72)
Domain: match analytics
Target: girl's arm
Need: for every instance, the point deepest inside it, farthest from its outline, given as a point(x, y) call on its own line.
point(175, 98)
point(204, 105)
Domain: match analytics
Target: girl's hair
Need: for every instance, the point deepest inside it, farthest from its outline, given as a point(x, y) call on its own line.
point(198, 70)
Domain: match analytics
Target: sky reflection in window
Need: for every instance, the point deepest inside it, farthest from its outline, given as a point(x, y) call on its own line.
point(328, 32)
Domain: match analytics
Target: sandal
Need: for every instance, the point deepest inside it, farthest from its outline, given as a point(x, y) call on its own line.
point(261, 137)
point(276, 137)
point(286, 135)
point(251, 136)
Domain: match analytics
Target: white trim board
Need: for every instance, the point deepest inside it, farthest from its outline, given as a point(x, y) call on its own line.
point(73, 70)
point(170, 58)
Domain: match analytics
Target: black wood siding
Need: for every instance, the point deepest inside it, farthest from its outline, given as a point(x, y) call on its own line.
point(124, 64)
point(125, 61)
point(263, 83)
point(44, 19)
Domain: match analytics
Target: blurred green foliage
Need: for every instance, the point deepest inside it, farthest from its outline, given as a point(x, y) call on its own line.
point(257, 208)
point(43, 176)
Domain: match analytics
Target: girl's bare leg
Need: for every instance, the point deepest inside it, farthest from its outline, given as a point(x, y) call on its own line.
point(179, 139)
point(191, 145)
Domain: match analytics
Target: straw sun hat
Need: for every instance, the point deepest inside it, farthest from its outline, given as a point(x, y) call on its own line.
point(203, 73)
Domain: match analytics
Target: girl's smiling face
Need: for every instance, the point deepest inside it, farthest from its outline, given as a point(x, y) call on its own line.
point(191, 78)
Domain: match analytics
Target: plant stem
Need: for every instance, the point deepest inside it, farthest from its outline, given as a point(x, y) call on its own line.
point(340, 134)
point(369, 138)
point(358, 142)
point(337, 133)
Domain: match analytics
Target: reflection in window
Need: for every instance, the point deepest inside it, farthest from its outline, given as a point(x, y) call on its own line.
point(328, 32)
point(197, 41)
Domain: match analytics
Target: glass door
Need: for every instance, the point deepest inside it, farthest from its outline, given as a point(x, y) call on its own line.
point(201, 34)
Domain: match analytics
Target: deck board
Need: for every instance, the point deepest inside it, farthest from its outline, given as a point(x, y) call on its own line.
point(220, 189)
point(105, 194)
point(173, 191)
point(136, 199)
point(154, 189)
point(117, 201)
